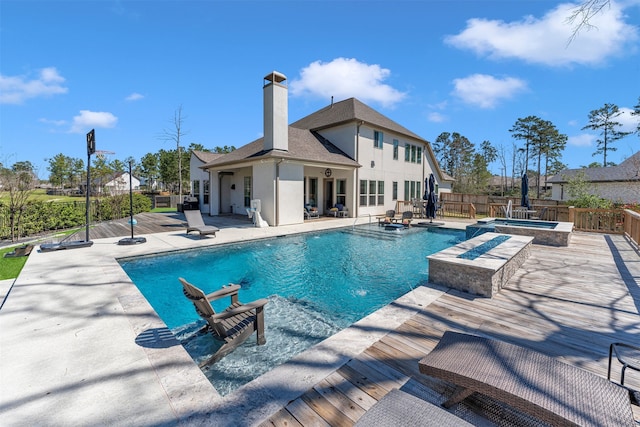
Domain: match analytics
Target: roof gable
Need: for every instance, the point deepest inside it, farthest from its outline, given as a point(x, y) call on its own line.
point(351, 110)
point(304, 145)
point(628, 170)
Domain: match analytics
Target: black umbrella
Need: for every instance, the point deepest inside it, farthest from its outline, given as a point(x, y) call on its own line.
point(431, 197)
point(525, 192)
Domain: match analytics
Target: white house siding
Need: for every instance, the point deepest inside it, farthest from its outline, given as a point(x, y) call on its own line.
point(618, 192)
point(289, 192)
point(379, 164)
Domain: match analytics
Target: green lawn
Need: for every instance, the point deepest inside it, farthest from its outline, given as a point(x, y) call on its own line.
point(41, 194)
point(10, 268)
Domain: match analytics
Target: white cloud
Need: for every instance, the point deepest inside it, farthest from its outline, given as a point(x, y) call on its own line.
point(436, 117)
point(17, 89)
point(582, 140)
point(135, 96)
point(485, 91)
point(344, 78)
point(629, 122)
point(546, 40)
point(88, 120)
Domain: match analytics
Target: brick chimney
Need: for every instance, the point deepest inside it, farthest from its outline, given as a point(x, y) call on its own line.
point(276, 116)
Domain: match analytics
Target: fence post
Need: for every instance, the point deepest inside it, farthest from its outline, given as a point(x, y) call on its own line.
point(572, 214)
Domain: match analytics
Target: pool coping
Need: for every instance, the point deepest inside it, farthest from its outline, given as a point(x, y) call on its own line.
point(93, 370)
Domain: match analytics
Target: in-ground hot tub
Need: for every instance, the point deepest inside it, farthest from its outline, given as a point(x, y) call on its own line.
point(552, 233)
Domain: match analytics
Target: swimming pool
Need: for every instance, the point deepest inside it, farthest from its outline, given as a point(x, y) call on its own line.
point(317, 284)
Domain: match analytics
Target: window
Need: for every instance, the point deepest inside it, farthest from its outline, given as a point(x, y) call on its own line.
point(195, 188)
point(395, 149)
point(412, 153)
point(205, 185)
point(412, 191)
point(363, 192)
point(247, 191)
point(394, 194)
point(380, 192)
point(372, 193)
point(377, 139)
point(418, 192)
point(313, 192)
point(341, 191)
point(407, 195)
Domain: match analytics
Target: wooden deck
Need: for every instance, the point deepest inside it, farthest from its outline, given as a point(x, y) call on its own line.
point(567, 302)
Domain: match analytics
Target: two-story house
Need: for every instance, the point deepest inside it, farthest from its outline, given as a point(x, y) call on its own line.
point(346, 153)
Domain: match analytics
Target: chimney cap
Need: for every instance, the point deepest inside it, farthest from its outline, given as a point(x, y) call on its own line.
point(275, 77)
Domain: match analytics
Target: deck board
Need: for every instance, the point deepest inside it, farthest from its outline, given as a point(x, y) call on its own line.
point(568, 302)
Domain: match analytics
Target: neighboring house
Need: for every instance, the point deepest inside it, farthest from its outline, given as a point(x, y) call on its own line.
point(346, 153)
point(620, 184)
point(200, 188)
point(119, 184)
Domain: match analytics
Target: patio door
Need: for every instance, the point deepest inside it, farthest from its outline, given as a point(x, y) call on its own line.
point(328, 194)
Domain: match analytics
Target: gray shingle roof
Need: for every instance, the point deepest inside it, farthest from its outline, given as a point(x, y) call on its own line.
point(351, 110)
point(304, 145)
point(206, 156)
point(629, 170)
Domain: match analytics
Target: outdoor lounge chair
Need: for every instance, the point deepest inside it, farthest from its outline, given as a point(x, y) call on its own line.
point(534, 383)
point(19, 251)
point(196, 223)
point(233, 325)
point(400, 409)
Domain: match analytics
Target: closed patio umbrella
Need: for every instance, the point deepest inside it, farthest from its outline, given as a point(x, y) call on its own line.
point(524, 201)
point(431, 198)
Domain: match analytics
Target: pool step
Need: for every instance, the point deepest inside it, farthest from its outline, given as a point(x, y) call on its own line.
point(378, 234)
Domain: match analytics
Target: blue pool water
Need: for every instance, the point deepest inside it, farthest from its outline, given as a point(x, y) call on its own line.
point(317, 284)
point(479, 228)
point(483, 248)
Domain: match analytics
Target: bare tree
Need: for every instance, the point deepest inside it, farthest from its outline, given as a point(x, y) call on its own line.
point(19, 182)
point(175, 135)
point(582, 14)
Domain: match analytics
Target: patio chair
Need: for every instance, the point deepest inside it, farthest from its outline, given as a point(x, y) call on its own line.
point(234, 324)
point(196, 223)
point(310, 212)
point(540, 216)
point(407, 217)
point(389, 218)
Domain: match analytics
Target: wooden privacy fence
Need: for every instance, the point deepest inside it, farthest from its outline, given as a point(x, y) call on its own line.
point(483, 203)
point(632, 226)
point(444, 209)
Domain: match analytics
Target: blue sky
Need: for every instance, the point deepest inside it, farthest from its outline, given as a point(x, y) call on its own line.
point(473, 67)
